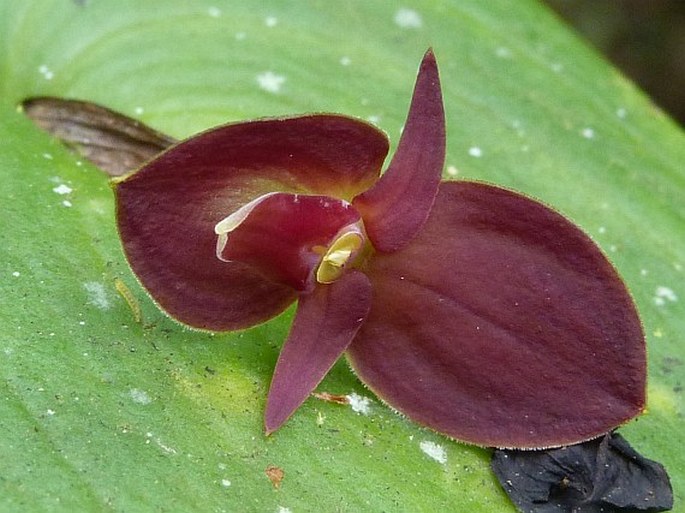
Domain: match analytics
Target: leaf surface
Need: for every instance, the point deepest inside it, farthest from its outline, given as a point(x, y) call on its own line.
point(100, 412)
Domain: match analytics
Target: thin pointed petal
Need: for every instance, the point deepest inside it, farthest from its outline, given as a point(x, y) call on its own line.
point(167, 211)
point(503, 325)
point(325, 323)
point(397, 206)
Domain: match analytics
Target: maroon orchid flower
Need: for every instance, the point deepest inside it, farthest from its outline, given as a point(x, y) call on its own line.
point(475, 311)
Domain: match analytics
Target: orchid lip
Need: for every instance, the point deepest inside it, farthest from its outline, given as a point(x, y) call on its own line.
point(326, 258)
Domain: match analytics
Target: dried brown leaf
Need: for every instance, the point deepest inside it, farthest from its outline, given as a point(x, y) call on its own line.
point(331, 398)
point(115, 143)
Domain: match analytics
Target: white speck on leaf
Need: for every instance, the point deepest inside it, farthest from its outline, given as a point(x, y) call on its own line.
point(621, 112)
point(140, 396)
point(46, 72)
point(345, 61)
point(282, 509)
point(475, 151)
point(601, 229)
point(664, 294)
point(434, 451)
point(271, 21)
point(50, 412)
point(588, 133)
point(16, 274)
point(158, 441)
point(359, 403)
point(138, 111)
point(67, 203)
point(225, 483)
point(47, 156)
point(408, 18)
point(270, 81)
point(503, 52)
point(518, 126)
point(62, 189)
point(214, 12)
point(374, 119)
point(97, 295)
point(452, 171)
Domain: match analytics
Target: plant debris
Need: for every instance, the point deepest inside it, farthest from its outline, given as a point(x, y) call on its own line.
point(603, 475)
point(332, 398)
point(113, 142)
point(275, 475)
point(130, 299)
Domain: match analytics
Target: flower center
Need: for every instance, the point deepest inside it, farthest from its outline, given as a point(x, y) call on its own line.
point(342, 251)
point(297, 240)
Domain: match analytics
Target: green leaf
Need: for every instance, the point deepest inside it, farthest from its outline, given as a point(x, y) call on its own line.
point(101, 412)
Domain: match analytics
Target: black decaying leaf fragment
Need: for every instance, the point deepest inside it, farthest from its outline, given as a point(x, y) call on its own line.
point(603, 475)
point(115, 143)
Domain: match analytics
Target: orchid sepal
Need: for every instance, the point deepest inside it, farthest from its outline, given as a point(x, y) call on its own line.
point(325, 324)
point(506, 326)
point(399, 203)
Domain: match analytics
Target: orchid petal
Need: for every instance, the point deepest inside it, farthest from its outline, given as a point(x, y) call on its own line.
point(325, 323)
point(503, 325)
point(167, 211)
point(284, 236)
point(397, 206)
point(172, 252)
